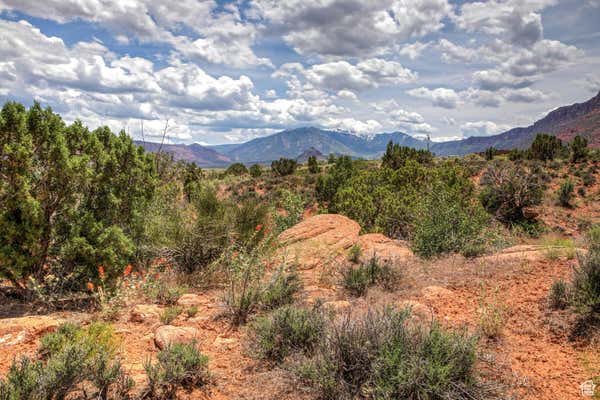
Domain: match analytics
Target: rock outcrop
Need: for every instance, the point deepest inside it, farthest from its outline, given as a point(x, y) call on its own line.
point(166, 335)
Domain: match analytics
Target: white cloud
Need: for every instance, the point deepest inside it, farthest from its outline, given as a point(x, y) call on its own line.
point(339, 76)
point(441, 97)
point(482, 128)
point(351, 27)
point(494, 80)
point(414, 50)
point(353, 125)
point(452, 53)
point(347, 95)
point(224, 37)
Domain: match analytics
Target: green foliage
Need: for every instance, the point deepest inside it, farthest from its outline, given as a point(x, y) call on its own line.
point(586, 280)
point(286, 330)
point(178, 365)
point(313, 165)
point(284, 166)
point(447, 223)
point(565, 193)
point(355, 253)
point(356, 280)
point(292, 205)
point(396, 156)
point(559, 295)
point(255, 170)
point(545, 147)
point(236, 169)
point(69, 195)
point(490, 153)
point(337, 175)
point(578, 147)
point(508, 189)
point(281, 288)
point(380, 356)
point(69, 359)
point(588, 179)
point(170, 314)
point(191, 312)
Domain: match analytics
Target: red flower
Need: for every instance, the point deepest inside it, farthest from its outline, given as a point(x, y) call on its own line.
point(90, 286)
point(101, 271)
point(127, 271)
point(258, 227)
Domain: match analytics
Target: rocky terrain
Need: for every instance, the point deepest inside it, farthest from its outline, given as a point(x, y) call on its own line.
point(533, 358)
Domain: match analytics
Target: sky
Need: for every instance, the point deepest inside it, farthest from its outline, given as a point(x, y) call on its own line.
point(215, 72)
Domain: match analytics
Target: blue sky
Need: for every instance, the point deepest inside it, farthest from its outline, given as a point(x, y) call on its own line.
point(228, 71)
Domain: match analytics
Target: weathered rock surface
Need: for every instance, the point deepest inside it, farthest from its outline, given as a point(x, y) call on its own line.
point(190, 300)
point(419, 313)
point(145, 313)
point(318, 239)
point(166, 335)
point(22, 329)
point(386, 249)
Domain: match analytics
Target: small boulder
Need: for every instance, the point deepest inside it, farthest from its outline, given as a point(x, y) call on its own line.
point(14, 331)
point(145, 313)
point(190, 300)
point(419, 312)
point(166, 335)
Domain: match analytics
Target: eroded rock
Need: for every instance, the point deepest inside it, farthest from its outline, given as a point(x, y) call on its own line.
point(144, 313)
point(166, 335)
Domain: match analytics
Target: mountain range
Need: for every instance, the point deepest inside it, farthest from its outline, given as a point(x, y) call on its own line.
point(565, 122)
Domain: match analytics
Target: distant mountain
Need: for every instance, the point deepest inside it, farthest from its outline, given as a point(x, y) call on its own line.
point(565, 122)
point(201, 155)
point(291, 143)
point(312, 152)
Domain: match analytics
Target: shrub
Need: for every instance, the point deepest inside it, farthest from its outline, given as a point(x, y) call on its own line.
point(559, 295)
point(588, 179)
point(255, 170)
point(337, 175)
point(170, 314)
point(586, 279)
point(380, 356)
point(236, 169)
point(490, 153)
point(293, 207)
point(356, 280)
point(565, 193)
point(491, 315)
point(355, 253)
point(396, 156)
point(281, 288)
point(70, 358)
point(191, 311)
point(178, 365)
point(286, 330)
point(284, 166)
point(578, 147)
point(313, 165)
point(545, 147)
point(507, 189)
point(165, 293)
point(445, 224)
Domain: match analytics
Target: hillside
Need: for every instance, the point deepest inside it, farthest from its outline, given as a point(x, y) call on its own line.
point(202, 156)
point(565, 122)
point(291, 143)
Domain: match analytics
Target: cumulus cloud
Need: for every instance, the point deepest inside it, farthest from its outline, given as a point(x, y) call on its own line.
point(453, 53)
point(441, 97)
point(482, 128)
point(351, 27)
point(495, 80)
point(518, 21)
point(414, 50)
point(353, 125)
point(337, 76)
point(223, 36)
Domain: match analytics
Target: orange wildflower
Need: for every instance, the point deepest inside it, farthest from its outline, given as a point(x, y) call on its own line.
point(90, 286)
point(101, 271)
point(258, 227)
point(127, 271)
